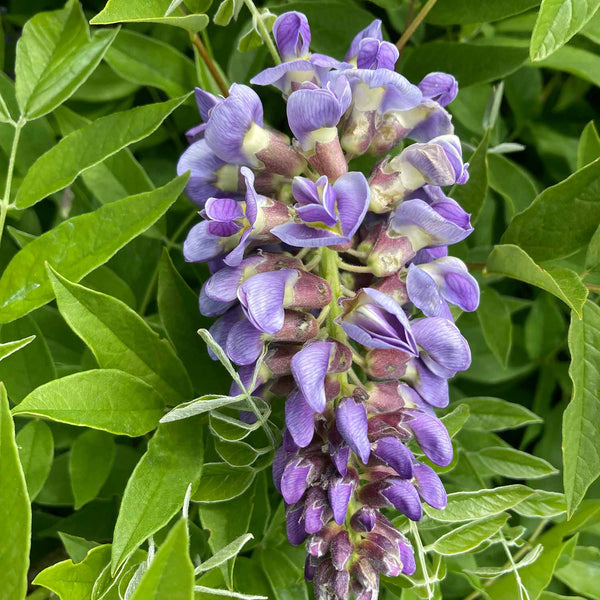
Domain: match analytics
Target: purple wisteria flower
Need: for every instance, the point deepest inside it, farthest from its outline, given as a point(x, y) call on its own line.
point(326, 214)
point(333, 289)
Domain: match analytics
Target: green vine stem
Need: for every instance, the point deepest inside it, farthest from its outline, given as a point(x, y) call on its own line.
point(264, 33)
point(9, 173)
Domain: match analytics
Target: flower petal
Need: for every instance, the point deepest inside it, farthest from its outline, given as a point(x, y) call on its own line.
point(200, 245)
point(392, 451)
point(244, 343)
point(309, 367)
point(425, 294)
point(352, 200)
point(432, 437)
point(405, 498)
point(351, 421)
point(430, 486)
point(340, 491)
point(300, 419)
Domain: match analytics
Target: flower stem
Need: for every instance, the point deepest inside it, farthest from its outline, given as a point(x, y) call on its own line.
point(414, 24)
point(264, 33)
point(9, 174)
point(208, 61)
point(329, 271)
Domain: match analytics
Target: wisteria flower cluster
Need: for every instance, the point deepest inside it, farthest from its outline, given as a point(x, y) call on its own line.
point(347, 278)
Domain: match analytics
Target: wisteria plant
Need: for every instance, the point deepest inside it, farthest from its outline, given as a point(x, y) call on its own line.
point(266, 333)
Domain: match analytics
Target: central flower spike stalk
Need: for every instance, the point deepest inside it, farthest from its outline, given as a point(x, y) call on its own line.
point(346, 278)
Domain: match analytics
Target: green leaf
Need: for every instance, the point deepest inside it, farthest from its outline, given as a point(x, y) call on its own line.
point(511, 261)
point(469, 63)
point(471, 195)
point(223, 555)
point(90, 462)
point(120, 338)
point(496, 325)
point(29, 368)
point(157, 487)
point(8, 348)
point(581, 419)
point(542, 504)
point(36, 453)
point(562, 219)
point(557, 22)
point(589, 145)
point(545, 327)
point(469, 536)
point(284, 576)
point(78, 246)
point(55, 55)
point(472, 506)
point(220, 482)
point(582, 572)
point(511, 181)
point(455, 420)
point(114, 178)
point(15, 512)
point(147, 11)
point(461, 12)
point(104, 399)
point(200, 406)
point(74, 153)
point(577, 61)
point(592, 257)
point(515, 464)
point(179, 314)
point(494, 414)
point(77, 547)
point(171, 573)
point(148, 61)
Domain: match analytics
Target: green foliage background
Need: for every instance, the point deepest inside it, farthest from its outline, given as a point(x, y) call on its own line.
point(99, 314)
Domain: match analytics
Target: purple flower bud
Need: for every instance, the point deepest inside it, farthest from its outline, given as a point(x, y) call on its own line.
point(318, 544)
point(374, 320)
point(340, 492)
point(210, 177)
point(330, 583)
point(298, 475)
point(351, 420)
point(431, 387)
point(385, 563)
point(279, 462)
point(292, 35)
point(341, 550)
point(327, 214)
point(443, 349)
point(300, 419)
point(404, 497)
point(294, 524)
point(371, 31)
point(366, 576)
point(392, 451)
point(446, 280)
point(440, 87)
point(375, 54)
point(432, 437)
point(309, 367)
point(339, 450)
point(316, 510)
point(309, 568)
point(430, 486)
point(363, 520)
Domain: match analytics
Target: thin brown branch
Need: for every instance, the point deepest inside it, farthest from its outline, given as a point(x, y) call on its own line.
point(412, 26)
point(203, 52)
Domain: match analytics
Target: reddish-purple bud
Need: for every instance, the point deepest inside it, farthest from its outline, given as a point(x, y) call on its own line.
point(386, 363)
point(341, 550)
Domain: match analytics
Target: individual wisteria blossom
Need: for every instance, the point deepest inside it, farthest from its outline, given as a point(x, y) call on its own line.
point(334, 289)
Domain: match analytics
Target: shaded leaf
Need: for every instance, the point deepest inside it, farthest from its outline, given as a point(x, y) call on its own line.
point(496, 324)
point(223, 555)
point(589, 145)
point(515, 464)
point(460, 12)
point(36, 452)
point(8, 348)
point(495, 414)
point(220, 482)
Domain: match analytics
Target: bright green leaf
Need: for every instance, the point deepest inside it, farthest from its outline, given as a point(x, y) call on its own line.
point(77, 547)
point(496, 324)
point(511, 261)
point(55, 55)
point(120, 338)
point(582, 572)
point(74, 153)
point(104, 399)
point(171, 573)
point(36, 452)
point(558, 21)
point(469, 536)
point(562, 219)
point(220, 482)
point(581, 419)
point(90, 462)
point(223, 555)
point(514, 464)
point(15, 512)
point(199, 406)
point(471, 506)
point(8, 348)
point(157, 487)
point(147, 11)
point(494, 414)
point(542, 504)
point(148, 61)
point(78, 246)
